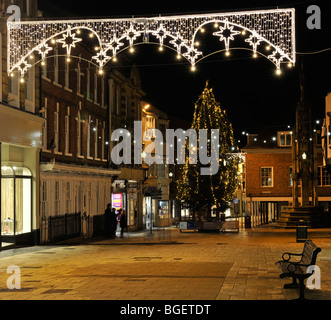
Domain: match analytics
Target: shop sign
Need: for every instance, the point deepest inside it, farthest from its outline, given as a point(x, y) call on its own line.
point(117, 200)
point(132, 193)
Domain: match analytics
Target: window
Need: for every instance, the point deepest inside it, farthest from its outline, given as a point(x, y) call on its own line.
point(16, 196)
point(79, 78)
point(79, 132)
point(95, 88)
point(67, 75)
point(88, 82)
point(43, 199)
point(89, 136)
point(285, 139)
point(324, 177)
point(57, 198)
point(103, 140)
point(44, 128)
point(102, 92)
point(13, 91)
point(67, 131)
point(266, 177)
point(161, 170)
point(68, 197)
point(97, 197)
point(29, 91)
point(56, 65)
point(89, 194)
point(150, 128)
point(56, 127)
point(95, 129)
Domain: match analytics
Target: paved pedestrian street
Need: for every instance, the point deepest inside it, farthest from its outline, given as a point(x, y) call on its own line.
point(168, 265)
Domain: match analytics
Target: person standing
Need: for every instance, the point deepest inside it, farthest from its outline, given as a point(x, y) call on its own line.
point(123, 223)
point(113, 223)
point(108, 221)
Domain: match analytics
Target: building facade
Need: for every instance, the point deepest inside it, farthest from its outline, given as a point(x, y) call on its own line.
point(20, 143)
point(268, 183)
point(82, 108)
point(156, 210)
point(125, 96)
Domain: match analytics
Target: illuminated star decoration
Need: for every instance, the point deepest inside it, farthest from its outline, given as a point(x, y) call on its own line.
point(102, 58)
point(226, 34)
point(160, 34)
point(192, 54)
point(178, 43)
point(132, 35)
point(23, 67)
point(277, 57)
point(43, 50)
point(254, 40)
point(69, 41)
point(114, 46)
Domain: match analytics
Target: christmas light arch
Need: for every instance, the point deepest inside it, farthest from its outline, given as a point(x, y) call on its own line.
point(273, 28)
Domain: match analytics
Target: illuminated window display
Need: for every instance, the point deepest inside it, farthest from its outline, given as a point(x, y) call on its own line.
point(16, 201)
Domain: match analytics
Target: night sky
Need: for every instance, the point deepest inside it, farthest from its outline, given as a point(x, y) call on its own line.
point(247, 88)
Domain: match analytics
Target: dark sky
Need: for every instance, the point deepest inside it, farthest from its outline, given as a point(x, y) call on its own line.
point(247, 88)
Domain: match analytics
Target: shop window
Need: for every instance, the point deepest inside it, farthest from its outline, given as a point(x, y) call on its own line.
point(16, 204)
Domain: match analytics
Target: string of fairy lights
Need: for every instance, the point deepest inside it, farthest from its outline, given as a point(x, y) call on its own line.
point(270, 33)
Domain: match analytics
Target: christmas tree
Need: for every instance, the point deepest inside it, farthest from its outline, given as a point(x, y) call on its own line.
point(214, 191)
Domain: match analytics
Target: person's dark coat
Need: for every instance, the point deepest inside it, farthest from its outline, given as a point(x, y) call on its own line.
point(108, 222)
point(123, 221)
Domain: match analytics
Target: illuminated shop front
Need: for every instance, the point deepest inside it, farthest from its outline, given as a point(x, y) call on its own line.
point(126, 195)
point(16, 202)
point(20, 142)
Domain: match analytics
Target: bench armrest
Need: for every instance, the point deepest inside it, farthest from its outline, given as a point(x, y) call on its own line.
point(289, 254)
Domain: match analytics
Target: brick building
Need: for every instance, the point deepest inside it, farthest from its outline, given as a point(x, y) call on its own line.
point(81, 108)
point(268, 175)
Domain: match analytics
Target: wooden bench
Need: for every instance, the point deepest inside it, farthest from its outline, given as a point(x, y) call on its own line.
point(230, 225)
point(298, 269)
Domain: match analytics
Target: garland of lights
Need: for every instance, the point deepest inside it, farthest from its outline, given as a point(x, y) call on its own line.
point(269, 32)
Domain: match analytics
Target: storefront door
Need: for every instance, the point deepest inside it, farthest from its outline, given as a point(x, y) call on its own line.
point(16, 203)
